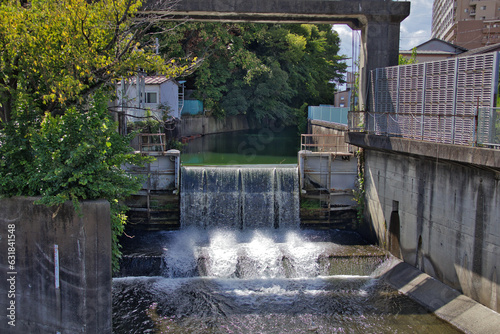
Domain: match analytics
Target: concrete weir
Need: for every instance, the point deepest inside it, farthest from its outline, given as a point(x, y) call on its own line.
point(239, 197)
point(59, 278)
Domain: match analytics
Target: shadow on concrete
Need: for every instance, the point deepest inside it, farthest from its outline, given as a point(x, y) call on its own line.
point(445, 302)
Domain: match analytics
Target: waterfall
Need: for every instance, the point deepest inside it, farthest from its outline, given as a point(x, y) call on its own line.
point(265, 253)
point(239, 264)
point(239, 198)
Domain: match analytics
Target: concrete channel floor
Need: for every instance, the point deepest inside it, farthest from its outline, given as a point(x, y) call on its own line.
point(448, 304)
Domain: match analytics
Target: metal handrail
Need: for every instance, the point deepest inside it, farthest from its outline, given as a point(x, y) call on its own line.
point(149, 144)
point(457, 129)
point(324, 143)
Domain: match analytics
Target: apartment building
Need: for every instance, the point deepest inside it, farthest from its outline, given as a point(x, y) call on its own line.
point(468, 23)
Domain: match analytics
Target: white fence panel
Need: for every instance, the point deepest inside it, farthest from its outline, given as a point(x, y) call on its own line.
point(434, 101)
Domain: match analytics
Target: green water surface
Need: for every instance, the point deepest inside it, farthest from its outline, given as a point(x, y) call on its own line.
point(262, 146)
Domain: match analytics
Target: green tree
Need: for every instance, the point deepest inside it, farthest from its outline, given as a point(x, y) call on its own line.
point(60, 51)
point(408, 61)
point(262, 70)
point(57, 59)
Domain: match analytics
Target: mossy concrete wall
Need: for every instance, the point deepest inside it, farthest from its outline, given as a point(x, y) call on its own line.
point(204, 125)
point(316, 127)
point(55, 268)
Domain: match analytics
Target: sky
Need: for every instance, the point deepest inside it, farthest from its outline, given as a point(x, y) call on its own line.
point(415, 29)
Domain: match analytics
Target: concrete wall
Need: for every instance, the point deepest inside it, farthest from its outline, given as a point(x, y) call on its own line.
point(203, 125)
point(328, 180)
point(335, 173)
point(439, 215)
point(160, 175)
point(320, 128)
point(156, 205)
point(316, 127)
point(28, 233)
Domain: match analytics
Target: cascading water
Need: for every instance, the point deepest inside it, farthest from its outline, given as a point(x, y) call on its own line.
point(235, 197)
point(233, 271)
point(262, 254)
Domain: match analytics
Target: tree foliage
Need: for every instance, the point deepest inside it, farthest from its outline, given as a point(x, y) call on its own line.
point(408, 61)
point(74, 156)
point(57, 138)
point(60, 51)
point(262, 70)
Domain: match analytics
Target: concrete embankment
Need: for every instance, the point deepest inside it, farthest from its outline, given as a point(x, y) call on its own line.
point(446, 303)
point(436, 207)
point(204, 125)
point(317, 127)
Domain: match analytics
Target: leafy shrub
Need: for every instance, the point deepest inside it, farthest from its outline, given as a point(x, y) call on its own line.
point(74, 156)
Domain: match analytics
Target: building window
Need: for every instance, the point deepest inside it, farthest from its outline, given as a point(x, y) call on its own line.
point(342, 98)
point(342, 105)
point(483, 7)
point(151, 97)
point(466, 10)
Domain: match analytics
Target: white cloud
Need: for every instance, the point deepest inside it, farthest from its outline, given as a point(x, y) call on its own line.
point(416, 28)
point(343, 30)
point(345, 34)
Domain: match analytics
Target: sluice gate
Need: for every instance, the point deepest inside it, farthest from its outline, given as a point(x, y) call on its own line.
point(317, 192)
point(239, 197)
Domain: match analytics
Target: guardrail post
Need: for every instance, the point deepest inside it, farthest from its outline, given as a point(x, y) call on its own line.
point(476, 117)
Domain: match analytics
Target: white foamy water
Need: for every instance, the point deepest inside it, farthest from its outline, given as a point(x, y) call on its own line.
point(266, 281)
point(243, 254)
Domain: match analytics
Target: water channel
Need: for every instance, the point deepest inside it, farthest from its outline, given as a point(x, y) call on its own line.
point(264, 281)
point(243, 265)
point(271, 145)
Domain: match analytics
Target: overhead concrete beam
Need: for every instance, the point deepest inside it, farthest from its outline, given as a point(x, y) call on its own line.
point(354, 13)
point(378, 20)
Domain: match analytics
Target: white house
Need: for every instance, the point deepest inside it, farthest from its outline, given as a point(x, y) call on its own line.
point(160, 95)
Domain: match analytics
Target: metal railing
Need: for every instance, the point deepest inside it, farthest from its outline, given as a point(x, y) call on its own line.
point(152, 142)
point(488, 127)
point(356, 121)
point(324, 143)
point(480, 129)
point(437, 101)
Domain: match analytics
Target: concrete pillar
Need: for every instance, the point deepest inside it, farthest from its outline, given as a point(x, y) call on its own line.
point(55, 267)
point(379, 48)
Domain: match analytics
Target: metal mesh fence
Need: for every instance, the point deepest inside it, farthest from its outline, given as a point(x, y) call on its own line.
point(435, 101)
point(488, 127)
